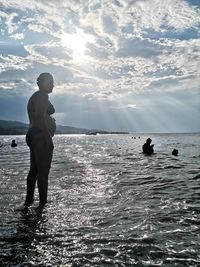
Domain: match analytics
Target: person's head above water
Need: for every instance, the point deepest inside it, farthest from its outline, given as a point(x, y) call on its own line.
point(148, 141)
point(175, 152)
point(13, 144)
point(45, 82)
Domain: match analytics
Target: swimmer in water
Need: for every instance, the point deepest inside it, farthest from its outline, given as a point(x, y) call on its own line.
point(39, 138)
point(175, 152)
point(147, 148)
point(13, 144)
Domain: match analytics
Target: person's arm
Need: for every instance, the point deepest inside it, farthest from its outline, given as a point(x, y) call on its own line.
point(152, 150)
point(41, 106)
point(143, 148)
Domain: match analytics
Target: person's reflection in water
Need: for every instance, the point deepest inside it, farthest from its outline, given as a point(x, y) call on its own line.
point(17, 247)
point(39, 139)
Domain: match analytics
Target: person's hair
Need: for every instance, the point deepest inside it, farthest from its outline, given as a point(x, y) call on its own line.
point(148, 140)
point(44, 77)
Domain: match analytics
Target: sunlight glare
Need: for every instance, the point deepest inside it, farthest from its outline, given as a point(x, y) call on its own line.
point(77, 43)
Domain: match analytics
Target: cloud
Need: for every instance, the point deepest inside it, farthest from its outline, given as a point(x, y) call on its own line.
point(109, 25)
point(137, 48)
point(162, 15)
point(108, 58)
point(10, 49)
point(17, 36)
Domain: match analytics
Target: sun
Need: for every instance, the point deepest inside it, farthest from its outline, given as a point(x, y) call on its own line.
point(77, 43)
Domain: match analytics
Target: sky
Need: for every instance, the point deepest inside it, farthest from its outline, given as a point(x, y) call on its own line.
point(118, 65)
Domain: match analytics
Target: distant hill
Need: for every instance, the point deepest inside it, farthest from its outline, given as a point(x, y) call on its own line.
point(60, 129)
point(16, 127)
point(12, 124)
point(12, 127)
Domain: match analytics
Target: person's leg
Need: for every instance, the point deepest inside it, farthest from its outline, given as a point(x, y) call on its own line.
point(31, 180)
point(43, 157)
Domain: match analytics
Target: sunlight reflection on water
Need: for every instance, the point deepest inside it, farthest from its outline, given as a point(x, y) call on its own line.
point(109, 205)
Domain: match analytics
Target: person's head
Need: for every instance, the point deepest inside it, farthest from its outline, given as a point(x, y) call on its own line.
point(13, 141)
point(45, 82)
point(175, 152)
point(148, 140)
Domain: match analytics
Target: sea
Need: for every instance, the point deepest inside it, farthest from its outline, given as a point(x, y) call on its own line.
point(109, 204)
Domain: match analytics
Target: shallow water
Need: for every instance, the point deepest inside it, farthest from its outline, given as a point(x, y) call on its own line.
point(109, 205)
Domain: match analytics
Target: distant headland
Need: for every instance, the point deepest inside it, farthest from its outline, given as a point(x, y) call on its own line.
point(20, 128)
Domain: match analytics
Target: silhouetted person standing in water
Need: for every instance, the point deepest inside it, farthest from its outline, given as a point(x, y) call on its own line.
point(39, 138)
point(147, 148)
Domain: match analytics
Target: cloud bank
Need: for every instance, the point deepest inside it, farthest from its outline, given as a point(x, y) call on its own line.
point(118, 65)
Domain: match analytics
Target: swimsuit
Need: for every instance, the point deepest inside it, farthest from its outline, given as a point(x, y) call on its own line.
point(32, 131)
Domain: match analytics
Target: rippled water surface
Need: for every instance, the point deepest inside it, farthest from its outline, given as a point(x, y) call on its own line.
point(109, 205)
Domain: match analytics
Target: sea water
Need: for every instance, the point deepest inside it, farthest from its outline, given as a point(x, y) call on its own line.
point(109, 204)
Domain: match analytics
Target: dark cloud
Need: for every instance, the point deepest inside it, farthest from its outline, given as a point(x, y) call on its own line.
point(187, 34)
point(13, 108)
point(97, 52)
point(164, 73)
point(12, 74)
point(138, 48)
point(117, 3)
point(109, 24)
point(7, 49)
